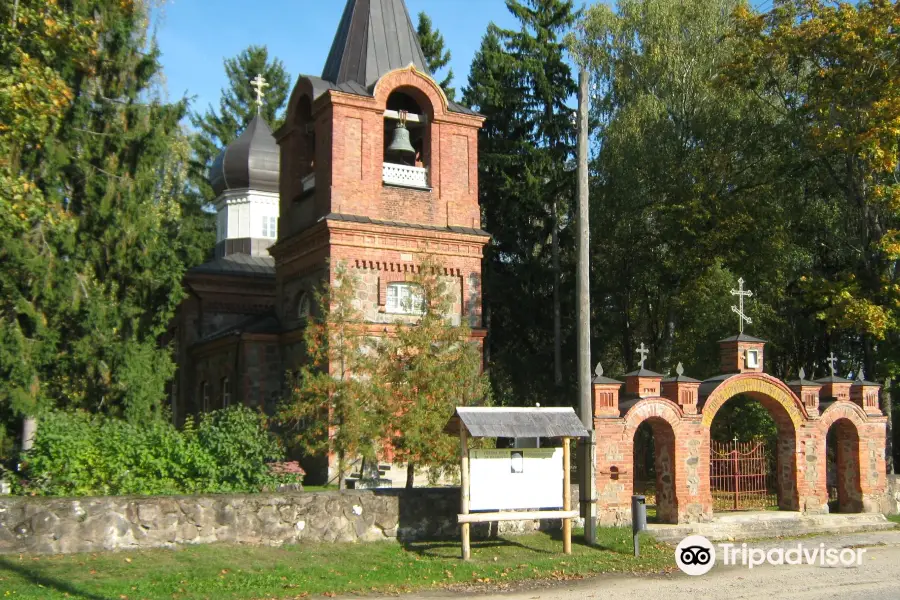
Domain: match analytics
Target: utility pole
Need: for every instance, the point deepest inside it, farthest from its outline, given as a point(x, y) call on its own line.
point(587, 481)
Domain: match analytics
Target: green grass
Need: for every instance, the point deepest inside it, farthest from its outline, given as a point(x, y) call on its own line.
point(319, 488)
point(893, 518)
point(231, 572)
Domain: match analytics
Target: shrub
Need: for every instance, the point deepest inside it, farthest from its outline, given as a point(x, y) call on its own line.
point(79, 454)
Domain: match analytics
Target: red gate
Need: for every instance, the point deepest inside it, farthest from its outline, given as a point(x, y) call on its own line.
point(739, 476)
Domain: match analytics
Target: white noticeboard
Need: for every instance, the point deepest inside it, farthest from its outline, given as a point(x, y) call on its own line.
point(513, 478)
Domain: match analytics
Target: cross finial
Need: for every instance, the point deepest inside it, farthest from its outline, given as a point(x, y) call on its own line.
point(599, 370)
point(679, 370)
point(259, 83)
point(741, 293)
point(643, 351)
point(832, 361)
point(802, 373)
point(861, 376)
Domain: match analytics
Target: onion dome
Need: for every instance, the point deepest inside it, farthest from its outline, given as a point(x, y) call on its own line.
point(250, 162)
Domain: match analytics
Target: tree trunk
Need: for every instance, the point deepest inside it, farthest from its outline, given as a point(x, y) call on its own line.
point(557, 311)
point(342, 482)
point(410, 475)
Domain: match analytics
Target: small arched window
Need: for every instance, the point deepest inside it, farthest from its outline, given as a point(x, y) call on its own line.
point(226, 392)
point(405, 299)
point(304, 306)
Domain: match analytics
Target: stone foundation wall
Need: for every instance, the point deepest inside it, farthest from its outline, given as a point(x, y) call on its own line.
point(67, 525)
point(890, 505)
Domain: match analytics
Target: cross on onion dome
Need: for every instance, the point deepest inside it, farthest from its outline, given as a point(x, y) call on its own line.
point(259, 83)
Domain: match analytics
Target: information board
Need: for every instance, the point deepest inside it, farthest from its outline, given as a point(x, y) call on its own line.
point(513, 478)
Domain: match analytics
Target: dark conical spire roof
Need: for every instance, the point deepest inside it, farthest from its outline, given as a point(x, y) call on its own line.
point(251, 161)
point(373, 38)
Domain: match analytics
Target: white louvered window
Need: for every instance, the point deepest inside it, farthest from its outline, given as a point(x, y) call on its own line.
point(405, 299)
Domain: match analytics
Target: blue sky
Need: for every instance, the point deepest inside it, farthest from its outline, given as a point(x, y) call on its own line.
point(195, 36)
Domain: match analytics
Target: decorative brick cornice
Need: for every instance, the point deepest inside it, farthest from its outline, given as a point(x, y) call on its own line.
point(405, 239)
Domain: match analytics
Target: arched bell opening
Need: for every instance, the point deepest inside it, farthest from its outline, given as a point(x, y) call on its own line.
point(407, 135)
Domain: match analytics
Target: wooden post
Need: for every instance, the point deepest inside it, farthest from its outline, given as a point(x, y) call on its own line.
point(567, 498)
point(464, 490)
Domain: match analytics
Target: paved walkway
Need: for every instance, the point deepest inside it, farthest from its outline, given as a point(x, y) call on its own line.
point(878, 578)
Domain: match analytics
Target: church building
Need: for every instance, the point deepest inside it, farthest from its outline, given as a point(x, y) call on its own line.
point(374, 168)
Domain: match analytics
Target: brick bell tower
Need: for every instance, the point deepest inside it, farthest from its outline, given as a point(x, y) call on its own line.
point(378, 169)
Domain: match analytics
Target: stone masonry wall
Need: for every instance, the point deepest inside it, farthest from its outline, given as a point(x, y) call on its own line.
point(68, 525)
point(891, 502)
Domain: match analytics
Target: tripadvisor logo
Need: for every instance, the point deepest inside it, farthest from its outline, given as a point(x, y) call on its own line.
point(696, 555)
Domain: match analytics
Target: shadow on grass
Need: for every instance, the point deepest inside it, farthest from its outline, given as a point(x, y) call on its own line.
point(433, 549)
point(48, 582)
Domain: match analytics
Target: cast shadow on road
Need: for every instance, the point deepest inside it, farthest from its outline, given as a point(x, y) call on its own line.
point(48, 582)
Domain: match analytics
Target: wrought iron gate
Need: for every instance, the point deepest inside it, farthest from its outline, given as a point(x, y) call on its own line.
point(739, 476)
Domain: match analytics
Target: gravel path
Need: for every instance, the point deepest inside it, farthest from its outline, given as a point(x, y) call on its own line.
point(878, 578)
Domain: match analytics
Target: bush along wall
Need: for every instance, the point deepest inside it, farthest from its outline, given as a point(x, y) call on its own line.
point(80, 454)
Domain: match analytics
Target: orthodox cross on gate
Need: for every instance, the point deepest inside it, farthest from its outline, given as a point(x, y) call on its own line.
point(832, 361)
point(741, 293)
point(259, 83)
point(643, 351)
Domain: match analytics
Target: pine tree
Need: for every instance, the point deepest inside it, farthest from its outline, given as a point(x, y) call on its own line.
point(436, 57)
point(237, 107)
point(520, 81)
point(92, 242)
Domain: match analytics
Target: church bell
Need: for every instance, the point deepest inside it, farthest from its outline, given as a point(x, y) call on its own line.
point(400, 144)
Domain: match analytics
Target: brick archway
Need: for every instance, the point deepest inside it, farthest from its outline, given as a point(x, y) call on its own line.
point(663, 417)
point(848, 423)
point(682, 409)
point(789, 415)
point(757, 385)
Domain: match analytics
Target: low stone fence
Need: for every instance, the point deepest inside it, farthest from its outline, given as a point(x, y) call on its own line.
point(66, 525)
point(891, 504)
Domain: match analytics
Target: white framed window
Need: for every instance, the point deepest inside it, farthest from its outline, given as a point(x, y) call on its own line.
point(405, 299)
point(303, 306)
point(752, 359)
point(226, 392)
point(270, 227)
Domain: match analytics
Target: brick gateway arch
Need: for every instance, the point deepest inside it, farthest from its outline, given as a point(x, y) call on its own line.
point(680, 411)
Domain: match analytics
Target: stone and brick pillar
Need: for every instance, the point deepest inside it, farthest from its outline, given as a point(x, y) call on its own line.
point(606, 394)
point(614, 453)
point(834, 388)
point(682, 390)
point(808, 392)
point(865, 395)
point(643, 383)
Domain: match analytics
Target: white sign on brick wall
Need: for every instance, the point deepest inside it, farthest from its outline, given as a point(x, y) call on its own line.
point(514, 478)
